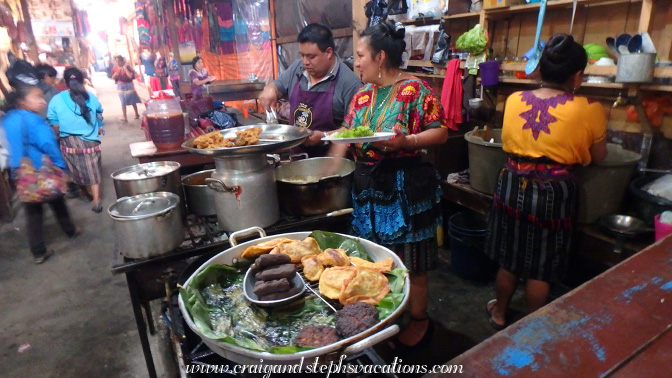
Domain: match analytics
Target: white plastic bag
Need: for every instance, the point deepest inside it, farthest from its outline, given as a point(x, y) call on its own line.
point(427, 8)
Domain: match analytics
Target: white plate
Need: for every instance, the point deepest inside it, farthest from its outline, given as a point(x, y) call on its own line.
point(377, 137)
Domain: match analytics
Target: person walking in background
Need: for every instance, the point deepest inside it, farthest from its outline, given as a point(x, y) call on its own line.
point(123, 74)
point(174, 73)
point(547, 133)
point(47, 76)
point(395, 195)
point(77, 115)
point(30, 136)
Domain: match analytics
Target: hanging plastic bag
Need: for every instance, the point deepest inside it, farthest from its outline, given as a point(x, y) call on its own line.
point(442, 49)
point(397, 7)
point(22, 73)
point(427, 8)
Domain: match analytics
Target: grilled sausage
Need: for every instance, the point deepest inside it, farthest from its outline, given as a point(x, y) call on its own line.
point(264, 261)
point(262, 288)
point(276, 272)
point(280, 295)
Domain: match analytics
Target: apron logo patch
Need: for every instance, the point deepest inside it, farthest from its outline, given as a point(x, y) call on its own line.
point(303, 115)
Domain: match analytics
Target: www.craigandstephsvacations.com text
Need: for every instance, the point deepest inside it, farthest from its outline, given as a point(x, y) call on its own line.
point(339, 367)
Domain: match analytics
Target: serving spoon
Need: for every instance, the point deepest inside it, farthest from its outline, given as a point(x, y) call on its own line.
point(533, 61)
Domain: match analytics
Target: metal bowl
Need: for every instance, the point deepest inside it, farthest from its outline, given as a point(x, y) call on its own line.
point(624, 224)
point(273, 138)
point(248, 287)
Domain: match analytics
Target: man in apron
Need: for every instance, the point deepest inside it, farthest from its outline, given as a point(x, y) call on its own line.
point(319, 87)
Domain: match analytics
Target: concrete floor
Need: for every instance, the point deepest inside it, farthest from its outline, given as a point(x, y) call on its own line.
point(76, 316)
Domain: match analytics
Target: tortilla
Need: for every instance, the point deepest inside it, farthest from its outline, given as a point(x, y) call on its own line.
point(367, 285)
point(312, 268)
point(333, 279)
point(297, 250)
point(334, 257)
point(263, 248)
point(383, 266)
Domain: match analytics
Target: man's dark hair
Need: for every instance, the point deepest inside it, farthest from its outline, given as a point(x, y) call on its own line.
point(318, 34)
point(44, 70)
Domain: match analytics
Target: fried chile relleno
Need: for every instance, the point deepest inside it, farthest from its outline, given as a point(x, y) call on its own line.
point(356, 318)
point(316, 336)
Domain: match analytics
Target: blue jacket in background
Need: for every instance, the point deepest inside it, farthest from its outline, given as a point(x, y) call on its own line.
point(65, 113)
point(38, 137)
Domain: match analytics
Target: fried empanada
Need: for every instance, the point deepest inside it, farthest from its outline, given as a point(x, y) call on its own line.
point(334, 257)
point(367, 285)
point(383, 266)
point(263, 248)
point(298, 249)
point(333, 279)
point(312, 268)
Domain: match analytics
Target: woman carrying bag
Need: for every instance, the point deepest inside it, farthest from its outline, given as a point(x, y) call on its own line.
point(77, 114)
point(36, 164)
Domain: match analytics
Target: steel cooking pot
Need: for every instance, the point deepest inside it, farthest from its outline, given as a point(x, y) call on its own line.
point(147, 225)
point(315, 186)
point(200, 199)
point(158, 176)
point(350, 346)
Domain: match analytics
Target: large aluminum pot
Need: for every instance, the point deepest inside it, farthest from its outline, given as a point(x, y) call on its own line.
point(200, 199)
point(315, 186)
point(158, 176)
point(147, 225)
point(244, 192)
point(350, 346)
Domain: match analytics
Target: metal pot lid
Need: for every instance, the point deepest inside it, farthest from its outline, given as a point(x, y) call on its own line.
point(146, 170)
point(143, 205)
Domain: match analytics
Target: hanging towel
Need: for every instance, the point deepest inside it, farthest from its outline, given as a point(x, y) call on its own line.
point(451, 93)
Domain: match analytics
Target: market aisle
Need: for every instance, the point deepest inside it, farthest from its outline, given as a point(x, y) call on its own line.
point(75, 315)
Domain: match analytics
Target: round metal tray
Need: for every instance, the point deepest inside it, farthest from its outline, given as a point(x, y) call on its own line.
point(273, 137)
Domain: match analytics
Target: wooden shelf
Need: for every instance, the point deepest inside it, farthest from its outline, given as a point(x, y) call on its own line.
point(428, 75)
point(509, 80)
point(504, 12)
point(436, 20)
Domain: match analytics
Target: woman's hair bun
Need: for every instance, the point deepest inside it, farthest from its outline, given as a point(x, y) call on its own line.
point(558, 47)
point(395, 29)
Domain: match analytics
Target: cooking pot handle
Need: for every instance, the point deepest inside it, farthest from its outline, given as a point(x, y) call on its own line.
point(328, 179)
point(372, 340)
point(165, 215)
point(295, 157)
point(219, 186)
point(246, 232)
point(273, 159)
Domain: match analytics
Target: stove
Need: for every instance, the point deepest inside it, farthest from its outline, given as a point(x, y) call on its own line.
point(156, 277)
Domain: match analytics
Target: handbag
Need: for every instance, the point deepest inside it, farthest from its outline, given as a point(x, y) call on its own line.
point(39, 185)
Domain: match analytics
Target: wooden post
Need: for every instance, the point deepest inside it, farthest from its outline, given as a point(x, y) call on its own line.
point(25, 11)
point(665, 50)
point(359, 22)
point(172, 31)
point(645, 16)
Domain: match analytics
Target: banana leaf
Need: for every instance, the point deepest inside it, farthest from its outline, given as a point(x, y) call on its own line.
point(350, 245)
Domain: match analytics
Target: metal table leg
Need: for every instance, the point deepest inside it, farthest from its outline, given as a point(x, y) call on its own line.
point(150, 321)
point(140, 322)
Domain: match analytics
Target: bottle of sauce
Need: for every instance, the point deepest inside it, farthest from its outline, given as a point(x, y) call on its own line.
point(165, 121)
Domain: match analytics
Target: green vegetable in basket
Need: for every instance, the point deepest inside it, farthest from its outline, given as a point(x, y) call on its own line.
point(473, 41)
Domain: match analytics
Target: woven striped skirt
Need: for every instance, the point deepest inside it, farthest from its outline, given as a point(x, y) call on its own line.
point(531, 224)
point(83, 159)
point(127, 94)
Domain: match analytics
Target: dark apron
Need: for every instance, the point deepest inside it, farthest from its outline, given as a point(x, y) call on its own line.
point(313, 110)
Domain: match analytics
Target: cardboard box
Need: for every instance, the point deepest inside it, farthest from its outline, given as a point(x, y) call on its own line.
point(501, 3)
